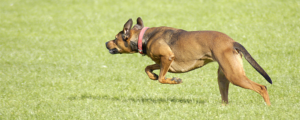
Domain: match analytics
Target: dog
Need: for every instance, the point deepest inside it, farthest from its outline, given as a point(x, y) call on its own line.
point(179, 51)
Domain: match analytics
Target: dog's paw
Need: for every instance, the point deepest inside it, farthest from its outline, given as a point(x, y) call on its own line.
point(177, 80)
point(153, 76)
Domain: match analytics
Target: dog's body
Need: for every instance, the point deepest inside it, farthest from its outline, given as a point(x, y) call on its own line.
point(179, 51)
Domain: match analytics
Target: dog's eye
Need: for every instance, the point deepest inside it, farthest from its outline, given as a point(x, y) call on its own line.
point(124, 37)
point(115, 41)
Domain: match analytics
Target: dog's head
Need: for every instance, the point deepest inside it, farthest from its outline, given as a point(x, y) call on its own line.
point(126, 40)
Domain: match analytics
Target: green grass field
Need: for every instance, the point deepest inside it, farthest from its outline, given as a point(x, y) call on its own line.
point(54, 63)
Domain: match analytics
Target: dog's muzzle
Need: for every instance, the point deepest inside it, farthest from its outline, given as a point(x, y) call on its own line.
point(113, 51)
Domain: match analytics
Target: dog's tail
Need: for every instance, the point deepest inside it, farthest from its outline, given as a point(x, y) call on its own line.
point(249, 58)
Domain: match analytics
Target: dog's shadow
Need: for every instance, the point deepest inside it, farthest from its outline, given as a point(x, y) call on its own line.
point(137, 99)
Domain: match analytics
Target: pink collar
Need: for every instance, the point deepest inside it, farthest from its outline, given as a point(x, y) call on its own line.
point(140, 40)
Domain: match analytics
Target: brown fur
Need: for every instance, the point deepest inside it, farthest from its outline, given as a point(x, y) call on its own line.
point(178, 51)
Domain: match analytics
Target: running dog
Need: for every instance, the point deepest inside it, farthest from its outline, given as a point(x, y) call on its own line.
point(179, 51)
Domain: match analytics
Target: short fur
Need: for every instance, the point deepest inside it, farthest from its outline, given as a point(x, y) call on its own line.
point(178, 51)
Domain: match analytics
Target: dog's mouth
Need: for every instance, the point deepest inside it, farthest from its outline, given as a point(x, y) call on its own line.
point(113, 51)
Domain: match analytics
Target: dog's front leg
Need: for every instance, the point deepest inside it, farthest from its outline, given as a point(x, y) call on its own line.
point(149, 70)
point(164, 68)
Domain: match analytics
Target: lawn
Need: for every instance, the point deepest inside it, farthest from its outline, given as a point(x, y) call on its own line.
point(54, 63)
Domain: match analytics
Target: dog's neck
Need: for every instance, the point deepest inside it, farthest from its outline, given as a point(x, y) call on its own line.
point(134, 44)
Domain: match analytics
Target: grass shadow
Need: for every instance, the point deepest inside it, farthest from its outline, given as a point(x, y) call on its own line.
point(137, 99)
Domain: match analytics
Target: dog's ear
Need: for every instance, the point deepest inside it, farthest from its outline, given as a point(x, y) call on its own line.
point(139, 24)
point(127, 27)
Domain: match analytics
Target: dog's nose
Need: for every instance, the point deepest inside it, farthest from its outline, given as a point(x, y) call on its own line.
point(106, 45)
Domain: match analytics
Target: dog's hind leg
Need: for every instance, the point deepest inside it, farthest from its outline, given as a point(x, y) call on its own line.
point(232, 67)
point(246, 83)
point(223, 86)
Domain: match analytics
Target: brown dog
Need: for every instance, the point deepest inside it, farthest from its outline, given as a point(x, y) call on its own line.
point(178, 51)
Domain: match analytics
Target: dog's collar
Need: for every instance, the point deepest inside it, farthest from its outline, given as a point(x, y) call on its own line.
point(140, 40)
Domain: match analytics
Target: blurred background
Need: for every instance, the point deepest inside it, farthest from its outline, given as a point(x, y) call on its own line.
point(54, 63)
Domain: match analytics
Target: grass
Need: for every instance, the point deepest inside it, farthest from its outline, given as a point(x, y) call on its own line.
point(54, 64)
